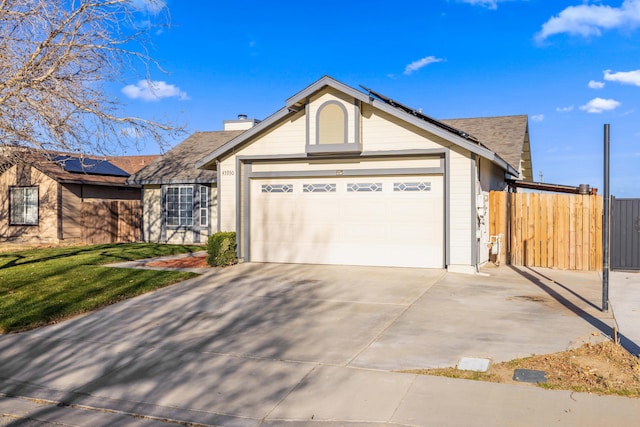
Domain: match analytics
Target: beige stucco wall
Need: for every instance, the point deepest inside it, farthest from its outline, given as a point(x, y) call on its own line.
point(47, 229)
point(151, 213)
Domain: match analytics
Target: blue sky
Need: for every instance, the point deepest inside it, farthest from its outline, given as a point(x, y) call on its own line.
point(572, 66)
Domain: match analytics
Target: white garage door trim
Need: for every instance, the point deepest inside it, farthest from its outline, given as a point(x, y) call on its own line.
point(389, 177)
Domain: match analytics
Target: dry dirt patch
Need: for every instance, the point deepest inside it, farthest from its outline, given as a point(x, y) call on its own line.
point(603, 368)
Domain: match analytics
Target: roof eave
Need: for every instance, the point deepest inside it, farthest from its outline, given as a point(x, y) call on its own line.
point(174, 181)
point(100, 183)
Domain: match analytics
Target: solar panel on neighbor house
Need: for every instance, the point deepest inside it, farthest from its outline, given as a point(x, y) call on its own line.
point(89, 166)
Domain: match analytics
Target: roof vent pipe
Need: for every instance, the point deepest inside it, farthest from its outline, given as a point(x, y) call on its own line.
point(242, 117)
point(583, 189)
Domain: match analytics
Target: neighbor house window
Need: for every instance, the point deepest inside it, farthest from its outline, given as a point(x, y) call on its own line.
point(23, 202)
point(179, 205)
point(204, 205)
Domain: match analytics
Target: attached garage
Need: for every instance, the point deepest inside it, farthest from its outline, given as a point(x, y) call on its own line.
point(365, 220)
point(339, 176)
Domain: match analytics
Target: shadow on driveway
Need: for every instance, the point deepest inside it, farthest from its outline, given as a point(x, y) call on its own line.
point(531, 275)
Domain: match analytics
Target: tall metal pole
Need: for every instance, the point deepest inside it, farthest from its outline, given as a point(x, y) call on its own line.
point(606, 224)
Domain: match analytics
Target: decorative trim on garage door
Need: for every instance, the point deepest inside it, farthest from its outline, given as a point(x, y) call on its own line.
point(319, 188)
point(411, 186)
point(277, 188)
point(364, 187)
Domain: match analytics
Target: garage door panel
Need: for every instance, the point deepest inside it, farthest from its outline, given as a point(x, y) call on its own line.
point(387, 227)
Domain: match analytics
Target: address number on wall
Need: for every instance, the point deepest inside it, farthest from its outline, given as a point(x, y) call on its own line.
point(228, 172)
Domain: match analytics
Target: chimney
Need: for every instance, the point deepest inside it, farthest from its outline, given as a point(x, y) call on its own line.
point(242, 123)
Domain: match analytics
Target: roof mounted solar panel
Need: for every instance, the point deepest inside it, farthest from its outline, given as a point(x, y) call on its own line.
point(89, 166)
point(420, 115)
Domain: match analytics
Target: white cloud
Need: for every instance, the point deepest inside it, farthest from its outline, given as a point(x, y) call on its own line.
point(537, 117)
point(624, 77)
point(595, 85)
point(420, 63)
point(590, 19)
point(150, 90)
point(598, 105)
point(564, 109)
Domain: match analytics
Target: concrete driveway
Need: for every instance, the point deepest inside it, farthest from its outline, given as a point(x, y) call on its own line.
point(265, 343)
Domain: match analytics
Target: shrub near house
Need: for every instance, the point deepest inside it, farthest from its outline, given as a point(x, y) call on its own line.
point(221, 249)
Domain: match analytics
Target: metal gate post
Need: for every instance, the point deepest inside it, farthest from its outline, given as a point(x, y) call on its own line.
point(606, 224)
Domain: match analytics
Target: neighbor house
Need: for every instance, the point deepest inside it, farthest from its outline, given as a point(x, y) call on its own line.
point(341, 176)
point(65, 198)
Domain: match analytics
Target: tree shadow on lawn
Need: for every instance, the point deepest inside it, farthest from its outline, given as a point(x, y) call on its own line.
point(109, 253)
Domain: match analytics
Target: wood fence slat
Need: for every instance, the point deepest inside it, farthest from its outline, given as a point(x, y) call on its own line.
point(544, 259)
point(572, 233)
point(516, 228)
point(592, 232)
point(522, 231)
point(586, 243)
point(578, 232)
point(559, 232)
point(537, 229)
point(598, 218)
point(551, 226)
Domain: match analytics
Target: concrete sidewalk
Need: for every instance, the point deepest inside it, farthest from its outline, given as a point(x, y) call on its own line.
point(337, 396)
point(624, 301)
point(303, 345)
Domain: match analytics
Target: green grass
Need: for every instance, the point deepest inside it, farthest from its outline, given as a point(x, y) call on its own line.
point(43, 286)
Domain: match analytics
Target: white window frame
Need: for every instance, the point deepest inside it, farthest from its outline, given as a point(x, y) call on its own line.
point(204, 206)
point(24, 205)
point(184, 207)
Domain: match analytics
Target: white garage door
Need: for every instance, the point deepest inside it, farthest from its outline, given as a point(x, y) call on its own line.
point(386, 221)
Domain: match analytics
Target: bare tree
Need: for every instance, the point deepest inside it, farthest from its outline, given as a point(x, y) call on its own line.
point(57, 58)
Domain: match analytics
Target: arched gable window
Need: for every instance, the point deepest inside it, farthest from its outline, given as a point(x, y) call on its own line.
point(331, 123)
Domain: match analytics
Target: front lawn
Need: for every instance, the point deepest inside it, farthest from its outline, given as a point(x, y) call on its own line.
point(43, 286)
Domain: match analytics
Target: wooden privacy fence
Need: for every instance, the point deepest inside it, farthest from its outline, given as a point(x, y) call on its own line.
point(111, 221)
point(548, 230)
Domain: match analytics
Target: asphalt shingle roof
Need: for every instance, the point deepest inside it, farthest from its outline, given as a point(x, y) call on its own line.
point(177, 166)
point(504, 135)
point(132, 164)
